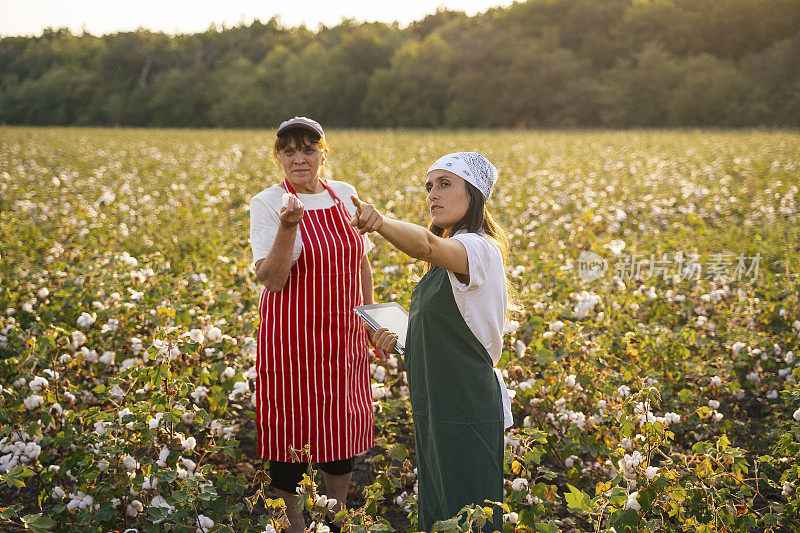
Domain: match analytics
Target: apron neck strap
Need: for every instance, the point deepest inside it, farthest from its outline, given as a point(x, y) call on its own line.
point(290, 189)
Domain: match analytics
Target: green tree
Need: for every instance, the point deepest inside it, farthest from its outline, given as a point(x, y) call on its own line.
point(712, 93)
point(637, 92)
point(414, 90)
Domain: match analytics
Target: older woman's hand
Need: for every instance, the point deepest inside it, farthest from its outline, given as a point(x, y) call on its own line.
point(385, 340)
point(367, 218)
point(292, 211)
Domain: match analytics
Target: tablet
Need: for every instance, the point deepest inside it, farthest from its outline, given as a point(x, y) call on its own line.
point(391, 316)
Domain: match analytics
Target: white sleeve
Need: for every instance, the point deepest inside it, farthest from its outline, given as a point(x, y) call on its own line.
point(351, 208)
point(264, 223)
point(482, 255)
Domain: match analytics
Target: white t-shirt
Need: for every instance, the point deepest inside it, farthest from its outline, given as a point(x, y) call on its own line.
point(484, 300)
point(265, 208)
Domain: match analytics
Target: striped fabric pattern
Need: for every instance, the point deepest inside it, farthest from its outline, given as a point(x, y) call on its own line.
point(313, 382)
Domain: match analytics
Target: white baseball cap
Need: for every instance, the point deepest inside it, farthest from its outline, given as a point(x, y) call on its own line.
point(304, 123)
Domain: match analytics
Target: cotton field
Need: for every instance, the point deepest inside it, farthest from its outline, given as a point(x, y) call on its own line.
point(654, 382)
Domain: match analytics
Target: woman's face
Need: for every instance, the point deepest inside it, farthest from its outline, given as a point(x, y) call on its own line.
point(302, 166)
point(448, 199)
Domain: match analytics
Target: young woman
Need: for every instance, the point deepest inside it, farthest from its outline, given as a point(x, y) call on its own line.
point(313, 383)
point(456, 316)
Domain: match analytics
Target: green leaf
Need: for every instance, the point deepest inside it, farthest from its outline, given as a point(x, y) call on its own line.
point(157, 513)
point(684, 395)
point(168, 476)
point(106, 512)
point(16, 475)
point(446, 525)
point(549, 527)
point(10, 512)
point(37, 522)
point(660, 483)
point(646, 499)
point(577, 500)
point(546, 473)
point(627, 429)
point(625, 520)
point(398, 452)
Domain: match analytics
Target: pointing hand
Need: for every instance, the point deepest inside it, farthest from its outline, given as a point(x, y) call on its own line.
point(367, 218)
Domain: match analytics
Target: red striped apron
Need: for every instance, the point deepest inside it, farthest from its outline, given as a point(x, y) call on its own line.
point(313, 369)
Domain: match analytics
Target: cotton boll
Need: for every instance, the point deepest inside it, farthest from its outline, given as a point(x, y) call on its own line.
point(189, 444)
point(189, 464)
point(204, 524)
point(519, 484)
point(586, 302)
point(632, 503)
point(188, 417)
point(227, 374)
point(85, 320)
point(239, 388)
point(129, 463)
point(214, 334)
point(651, 472)
point(33, 401)
point(753, 377)
point(520, 348)
point(197, 336)
point(199, 393)
point(378, 373)
point(162, 457)
point(378, 391)
point(38, 383)
point(714, 404)
point(134, 508)
point(285, 199)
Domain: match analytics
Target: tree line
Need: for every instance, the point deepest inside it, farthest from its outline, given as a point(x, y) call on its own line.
point(539, 63)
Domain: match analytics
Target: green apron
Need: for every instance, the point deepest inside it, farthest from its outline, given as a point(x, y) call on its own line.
point(455, 400)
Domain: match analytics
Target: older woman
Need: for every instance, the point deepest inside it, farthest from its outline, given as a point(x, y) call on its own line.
point(313, 384)
point(456, 316)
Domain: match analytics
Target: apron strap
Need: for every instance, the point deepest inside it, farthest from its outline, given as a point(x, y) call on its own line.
point(289, 188)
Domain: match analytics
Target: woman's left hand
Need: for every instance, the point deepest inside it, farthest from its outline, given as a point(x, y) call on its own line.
point(367, 218)
point(384, 340)
point(382, 355)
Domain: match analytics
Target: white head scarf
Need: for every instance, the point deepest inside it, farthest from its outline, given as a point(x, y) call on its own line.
point(471, 167)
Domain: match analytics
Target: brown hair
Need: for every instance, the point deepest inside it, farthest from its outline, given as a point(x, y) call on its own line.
point(303, 138)
point(478, 220)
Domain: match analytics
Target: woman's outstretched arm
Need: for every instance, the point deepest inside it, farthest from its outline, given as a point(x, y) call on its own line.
point(414, 240)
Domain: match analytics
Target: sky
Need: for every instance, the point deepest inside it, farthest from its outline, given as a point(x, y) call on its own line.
point(30, 17)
